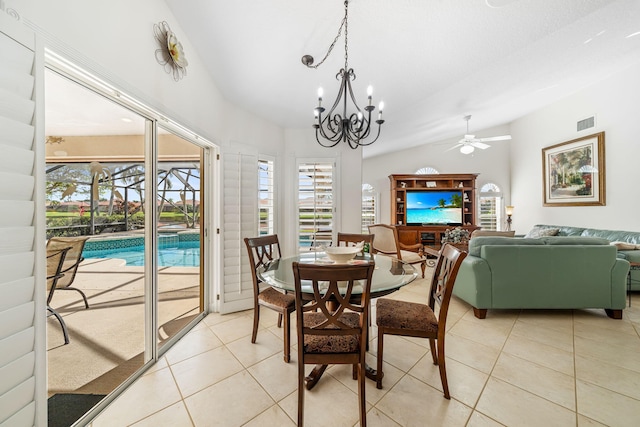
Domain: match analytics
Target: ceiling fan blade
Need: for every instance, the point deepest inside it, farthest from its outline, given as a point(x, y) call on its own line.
point(496, 138)
point(454, 147)
point(480, 145)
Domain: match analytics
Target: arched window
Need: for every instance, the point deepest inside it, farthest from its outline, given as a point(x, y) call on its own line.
point(428, 170)
point(491, 202)
point(369, 207)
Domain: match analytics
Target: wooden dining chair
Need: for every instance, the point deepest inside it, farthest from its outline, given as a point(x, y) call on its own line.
point(352, 239)
point(332, 329)
point(386, 243)
point(262, 250)
point(409, 319)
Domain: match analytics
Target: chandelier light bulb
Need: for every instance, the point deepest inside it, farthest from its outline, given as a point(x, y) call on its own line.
point(320, 93)
point(381, 106)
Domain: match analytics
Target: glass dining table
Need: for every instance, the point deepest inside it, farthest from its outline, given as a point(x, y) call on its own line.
point(390, 274)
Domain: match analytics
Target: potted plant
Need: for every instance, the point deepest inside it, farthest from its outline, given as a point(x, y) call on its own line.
point(458, 237)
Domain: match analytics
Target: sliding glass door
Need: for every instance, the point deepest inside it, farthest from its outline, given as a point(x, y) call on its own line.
point(179, 234)
point(133, 191)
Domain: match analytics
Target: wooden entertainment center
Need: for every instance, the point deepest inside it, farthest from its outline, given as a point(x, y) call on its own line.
point(430, 234)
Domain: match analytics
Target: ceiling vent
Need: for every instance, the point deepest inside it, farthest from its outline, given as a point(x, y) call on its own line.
point(587, 123)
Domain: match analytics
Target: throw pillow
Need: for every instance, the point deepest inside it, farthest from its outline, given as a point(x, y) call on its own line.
point(624, 246)
point(541, 232)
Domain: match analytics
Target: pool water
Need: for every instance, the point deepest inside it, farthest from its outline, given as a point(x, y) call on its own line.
point(184, 254)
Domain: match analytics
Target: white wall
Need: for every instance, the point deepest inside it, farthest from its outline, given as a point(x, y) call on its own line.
point(117, 38)
point(491, 164)
point(614, 101)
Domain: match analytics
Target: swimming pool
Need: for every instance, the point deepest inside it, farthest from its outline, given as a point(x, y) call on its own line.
point(174, 250)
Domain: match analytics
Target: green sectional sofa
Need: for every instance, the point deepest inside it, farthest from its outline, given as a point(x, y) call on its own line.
point(542, 273)
point(627, 242)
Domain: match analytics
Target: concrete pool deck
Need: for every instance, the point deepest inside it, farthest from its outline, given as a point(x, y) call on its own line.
point(107, 340)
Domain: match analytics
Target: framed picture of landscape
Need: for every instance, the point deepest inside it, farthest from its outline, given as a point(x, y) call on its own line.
point(573, 172)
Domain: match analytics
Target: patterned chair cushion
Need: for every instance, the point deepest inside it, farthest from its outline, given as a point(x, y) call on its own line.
point(331, 343)
point(405, 315)
point(275, 298)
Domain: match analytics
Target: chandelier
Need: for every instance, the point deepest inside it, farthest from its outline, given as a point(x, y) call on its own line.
point(339, 125)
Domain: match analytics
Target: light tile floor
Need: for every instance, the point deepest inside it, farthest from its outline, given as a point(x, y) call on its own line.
point(514, 368)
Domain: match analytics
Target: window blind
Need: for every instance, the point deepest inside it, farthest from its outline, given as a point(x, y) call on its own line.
point(17, 259)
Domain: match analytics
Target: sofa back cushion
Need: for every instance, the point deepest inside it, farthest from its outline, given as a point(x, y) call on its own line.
point(477, 243)
point(562, 230)
point(614, 235)
point(573, 240)
point(493, 233)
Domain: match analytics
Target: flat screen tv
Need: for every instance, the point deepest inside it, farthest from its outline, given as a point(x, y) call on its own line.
point(434, 207)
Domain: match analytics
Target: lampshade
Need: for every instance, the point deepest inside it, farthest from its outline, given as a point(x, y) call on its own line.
point(509, 210)
point(467, 149)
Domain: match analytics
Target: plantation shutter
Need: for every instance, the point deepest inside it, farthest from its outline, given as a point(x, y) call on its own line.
point(19, 295)
point(240, 214)
point(315, 204)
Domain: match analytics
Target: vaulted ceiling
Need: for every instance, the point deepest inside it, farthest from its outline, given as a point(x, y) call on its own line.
point(431, 61)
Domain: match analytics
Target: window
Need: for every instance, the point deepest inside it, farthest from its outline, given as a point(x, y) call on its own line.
point(490, 207)
point(428, 170)
point(266, 210)
point(369, 205)
point(315, 203)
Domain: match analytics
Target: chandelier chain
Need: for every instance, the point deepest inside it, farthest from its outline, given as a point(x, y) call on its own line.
point(339, 124)
point(342, 24)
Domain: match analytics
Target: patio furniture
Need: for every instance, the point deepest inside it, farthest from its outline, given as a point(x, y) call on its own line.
point(332, 329)
point(55, 264)
point(262, 250)
point(411, 319)
point(72, 260)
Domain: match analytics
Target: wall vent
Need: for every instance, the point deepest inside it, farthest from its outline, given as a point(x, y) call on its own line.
point(587, 123)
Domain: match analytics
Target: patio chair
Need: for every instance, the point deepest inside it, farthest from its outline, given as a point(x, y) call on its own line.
point(72, 260)
point(55, 264)
point(412, 319)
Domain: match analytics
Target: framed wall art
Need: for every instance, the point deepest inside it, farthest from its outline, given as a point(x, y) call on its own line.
point(573, 172)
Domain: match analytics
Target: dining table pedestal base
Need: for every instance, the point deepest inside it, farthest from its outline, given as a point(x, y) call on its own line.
point(316, 373)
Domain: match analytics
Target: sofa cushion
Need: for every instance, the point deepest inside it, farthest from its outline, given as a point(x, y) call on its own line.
point(573, 240)
point(536, 232)
point(562, 229)
point(631, 256)
point(614, 235)
point(479, 233)
point(476, 244)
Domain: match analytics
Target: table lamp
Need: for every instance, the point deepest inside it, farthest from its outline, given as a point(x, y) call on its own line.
point(509, 212)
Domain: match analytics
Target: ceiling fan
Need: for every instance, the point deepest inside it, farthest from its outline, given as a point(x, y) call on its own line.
point(469, 142)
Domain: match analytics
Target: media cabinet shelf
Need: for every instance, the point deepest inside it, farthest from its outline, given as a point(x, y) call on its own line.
point(430, 234)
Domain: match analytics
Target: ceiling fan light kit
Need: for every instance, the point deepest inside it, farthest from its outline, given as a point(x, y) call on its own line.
point(351, 127)
point(467, 149)
point(469, 142)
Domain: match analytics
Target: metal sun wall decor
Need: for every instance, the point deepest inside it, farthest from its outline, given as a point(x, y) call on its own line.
point(170, 54)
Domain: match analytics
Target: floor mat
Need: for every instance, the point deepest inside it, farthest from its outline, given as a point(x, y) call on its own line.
point(66, 408)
